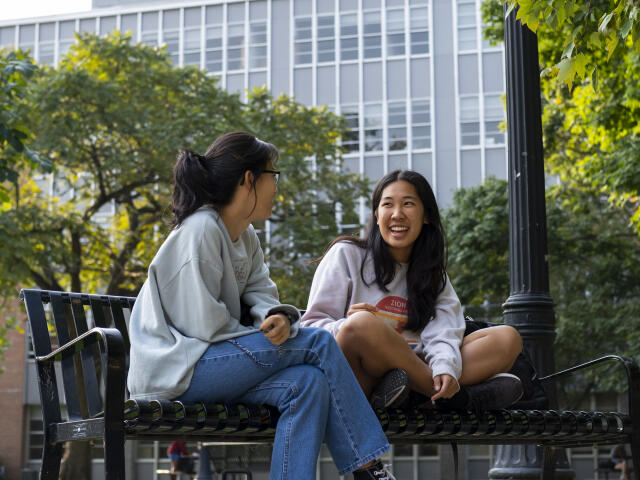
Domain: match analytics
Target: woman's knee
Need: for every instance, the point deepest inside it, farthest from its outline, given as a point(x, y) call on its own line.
point(311, 380)
point(509, 340)
point(362, 329)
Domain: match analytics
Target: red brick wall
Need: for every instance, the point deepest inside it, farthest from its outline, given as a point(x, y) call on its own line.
point(11, 406)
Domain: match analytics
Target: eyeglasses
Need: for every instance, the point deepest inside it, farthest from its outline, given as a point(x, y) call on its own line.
point(276, 174)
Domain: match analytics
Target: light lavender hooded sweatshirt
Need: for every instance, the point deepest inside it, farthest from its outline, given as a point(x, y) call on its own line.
point(337, 284)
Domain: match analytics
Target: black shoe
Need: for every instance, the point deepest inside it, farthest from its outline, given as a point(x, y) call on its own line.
point(377, 471)
point(392, 390)
point(459, 401)
point(497, 392)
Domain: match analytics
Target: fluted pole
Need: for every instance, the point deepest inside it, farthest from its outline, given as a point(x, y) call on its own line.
point(529, 307)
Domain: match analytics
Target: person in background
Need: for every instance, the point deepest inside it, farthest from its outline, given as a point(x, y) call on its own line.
point(176, 450)
point(388, 301)
point(209, 310)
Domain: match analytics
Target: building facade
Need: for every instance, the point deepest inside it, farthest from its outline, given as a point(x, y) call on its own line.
point(417, 83)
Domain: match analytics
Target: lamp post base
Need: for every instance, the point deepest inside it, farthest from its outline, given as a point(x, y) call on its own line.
point(527, 462)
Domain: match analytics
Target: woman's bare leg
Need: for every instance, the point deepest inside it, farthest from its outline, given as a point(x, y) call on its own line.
point(372, 348)
point(488, 351)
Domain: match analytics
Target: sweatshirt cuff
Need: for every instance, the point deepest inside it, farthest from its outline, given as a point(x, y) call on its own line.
point(440, 367)
point(290, 311)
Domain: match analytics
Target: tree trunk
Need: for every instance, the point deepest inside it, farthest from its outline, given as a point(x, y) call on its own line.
point(76, 461)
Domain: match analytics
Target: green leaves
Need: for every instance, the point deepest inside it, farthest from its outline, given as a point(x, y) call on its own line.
point(594, 263)
point(15, 72)
point(599, 30)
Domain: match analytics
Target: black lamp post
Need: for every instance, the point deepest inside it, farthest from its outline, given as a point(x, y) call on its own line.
point(529, 307)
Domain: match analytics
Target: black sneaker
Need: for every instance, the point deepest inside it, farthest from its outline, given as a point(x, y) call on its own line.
point(392, 390)
point(377, 471)
point(499, 391)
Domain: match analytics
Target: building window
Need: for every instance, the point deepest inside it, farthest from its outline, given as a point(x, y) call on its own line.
point(373, 127)
point(192, 35)
point(351, 139)
point(419, 30)
point(258, 42)
point(395, 32)
point(397, 124)
point(302, 40)
point(171, 34)
point(36, 437)
point(421, 123)
point(129, 23)
point(467, 25)
point(372, 34)
point(6, 36)
point(235, 47)
point(46, 43)
point(326, 41)
point(149, 28)
point(213, 44)
point(66, 31)
point(107, 25)
point(349, 36)
point(88, 25)
point(493, 116)
point(26, 38)
point(469, 121)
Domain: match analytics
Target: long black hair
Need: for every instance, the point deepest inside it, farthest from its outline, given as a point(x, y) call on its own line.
point(426, 275)
point(212, 178)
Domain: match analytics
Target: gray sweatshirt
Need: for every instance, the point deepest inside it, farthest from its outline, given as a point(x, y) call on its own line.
point(337, 284)
point(192, 298)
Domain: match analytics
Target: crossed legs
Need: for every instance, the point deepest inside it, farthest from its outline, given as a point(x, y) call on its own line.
point(372, 348)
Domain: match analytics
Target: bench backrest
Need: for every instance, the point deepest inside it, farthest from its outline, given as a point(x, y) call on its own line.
point(56, 318)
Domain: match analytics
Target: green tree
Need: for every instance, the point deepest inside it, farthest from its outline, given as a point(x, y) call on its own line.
point(594, 261)
point(591, 131)
point(111, 118)
point(15, 71)
point(591, 31)
point(476, 226)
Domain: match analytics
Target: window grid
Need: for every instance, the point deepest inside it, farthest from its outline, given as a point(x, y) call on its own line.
point(371, 34)
point(325, 28)
point(171, 34)
point(397, 125)
point(258, 44)
point(349, 36)
point(235, 46)
point(192, 34)
point(395, 32)
point(214, 48)
point(302, 45)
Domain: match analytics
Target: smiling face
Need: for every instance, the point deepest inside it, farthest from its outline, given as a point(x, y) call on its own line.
point(400, 217)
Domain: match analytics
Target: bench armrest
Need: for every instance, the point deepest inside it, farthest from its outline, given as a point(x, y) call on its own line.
point(114, 368)
point(633, 380)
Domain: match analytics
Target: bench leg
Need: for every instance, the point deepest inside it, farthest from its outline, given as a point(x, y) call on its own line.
point(635, 454)
point(114, 468)
point(51, 459)
point(549, 458)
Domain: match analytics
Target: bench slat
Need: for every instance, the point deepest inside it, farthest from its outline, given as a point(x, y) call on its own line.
point(88, 358)
point(116, 306)
point(61, 319)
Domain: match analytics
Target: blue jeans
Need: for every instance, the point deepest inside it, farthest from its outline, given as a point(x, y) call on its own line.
point(310, 382)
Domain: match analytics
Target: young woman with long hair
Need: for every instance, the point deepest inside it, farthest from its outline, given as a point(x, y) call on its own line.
point(388, 301)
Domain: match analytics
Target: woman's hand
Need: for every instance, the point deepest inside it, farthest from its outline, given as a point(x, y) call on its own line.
point(276, 328)
point(361, 307)
point(445, 386)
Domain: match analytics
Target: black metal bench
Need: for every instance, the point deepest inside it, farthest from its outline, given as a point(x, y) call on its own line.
point(92, 370)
